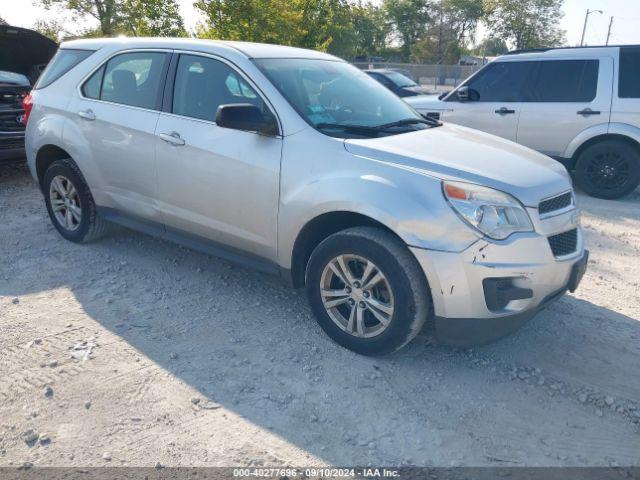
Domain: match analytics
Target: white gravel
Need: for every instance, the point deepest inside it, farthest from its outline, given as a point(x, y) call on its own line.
point(188, 360)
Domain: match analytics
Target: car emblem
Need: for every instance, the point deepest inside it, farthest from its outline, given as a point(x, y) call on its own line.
point(20, 118)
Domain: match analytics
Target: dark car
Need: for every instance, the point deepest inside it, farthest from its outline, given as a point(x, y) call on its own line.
point(398, 83)
point(23, 55)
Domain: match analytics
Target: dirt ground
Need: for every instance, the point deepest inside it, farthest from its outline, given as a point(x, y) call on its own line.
point(135, 351)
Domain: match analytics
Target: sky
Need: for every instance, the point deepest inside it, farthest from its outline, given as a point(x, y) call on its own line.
point(625, 13)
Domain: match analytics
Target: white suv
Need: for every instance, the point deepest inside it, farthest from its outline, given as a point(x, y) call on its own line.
point(580, 106)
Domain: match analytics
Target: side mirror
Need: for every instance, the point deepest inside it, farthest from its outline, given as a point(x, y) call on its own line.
point(463, 94)
point(246, 117)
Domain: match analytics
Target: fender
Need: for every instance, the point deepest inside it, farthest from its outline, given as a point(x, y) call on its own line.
point(622, 129)
point(403, 210)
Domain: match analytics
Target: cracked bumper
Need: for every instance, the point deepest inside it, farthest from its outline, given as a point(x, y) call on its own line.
point(525, 261)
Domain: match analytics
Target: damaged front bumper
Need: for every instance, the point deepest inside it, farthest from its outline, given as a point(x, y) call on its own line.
point(492, 288)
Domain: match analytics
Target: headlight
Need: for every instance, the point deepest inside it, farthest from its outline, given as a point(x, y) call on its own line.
point(494, 213)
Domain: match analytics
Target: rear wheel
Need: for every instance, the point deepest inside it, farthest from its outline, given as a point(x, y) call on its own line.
point(608, 169)
point(70, 204)
point(367, 290)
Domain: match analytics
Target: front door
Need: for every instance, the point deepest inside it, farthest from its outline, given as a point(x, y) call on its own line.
point(494, 99)
point(216, 183)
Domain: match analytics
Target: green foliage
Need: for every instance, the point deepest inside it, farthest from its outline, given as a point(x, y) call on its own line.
point(50, 28)
point(129, 17)
point(409, 20)
point(491, 47)
point(334, 26)
point(526, 23)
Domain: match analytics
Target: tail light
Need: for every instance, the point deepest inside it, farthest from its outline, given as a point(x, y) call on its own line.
point(27, 104)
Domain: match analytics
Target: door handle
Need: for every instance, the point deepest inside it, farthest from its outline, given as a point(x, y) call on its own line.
point(504, 111)
point(87, 114)
point(173, 138)
point(587, 111)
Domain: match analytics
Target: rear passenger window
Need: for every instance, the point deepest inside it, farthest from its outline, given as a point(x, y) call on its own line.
point(629, 81)
point(91, 88)
point(565, 81)
point(203, 84)
point(130, 79)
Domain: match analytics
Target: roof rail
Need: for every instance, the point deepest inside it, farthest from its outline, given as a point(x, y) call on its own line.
point(534, 50)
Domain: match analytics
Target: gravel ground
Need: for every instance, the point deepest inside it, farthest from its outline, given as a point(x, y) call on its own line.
point(135, 351)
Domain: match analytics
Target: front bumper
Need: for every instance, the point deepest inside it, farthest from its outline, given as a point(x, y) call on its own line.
point(470, 309)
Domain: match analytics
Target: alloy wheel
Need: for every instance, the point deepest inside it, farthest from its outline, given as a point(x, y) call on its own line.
point(65, 203)
point(357, 296)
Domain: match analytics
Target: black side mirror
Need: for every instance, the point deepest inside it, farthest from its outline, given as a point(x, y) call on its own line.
point(463, 94)
point(247, 117)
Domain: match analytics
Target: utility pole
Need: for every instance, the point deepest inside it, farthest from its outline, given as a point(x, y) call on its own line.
point(609, 32)
point(586, 19)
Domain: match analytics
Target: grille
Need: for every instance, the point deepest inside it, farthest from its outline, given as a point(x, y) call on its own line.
point(9, 121)
point(564, 243)
point(11, 143)
point(555, 203)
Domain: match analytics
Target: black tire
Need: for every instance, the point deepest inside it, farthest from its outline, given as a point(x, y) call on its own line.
point(91, 225)
point(608, 169)
point(411, 295)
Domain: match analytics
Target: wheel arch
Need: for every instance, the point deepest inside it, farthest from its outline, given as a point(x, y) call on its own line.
point(46, 155)
point(635, 143)
point(321, 227)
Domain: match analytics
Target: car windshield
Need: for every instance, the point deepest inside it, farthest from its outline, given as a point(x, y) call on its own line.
point(339, 99)
point(400, 80)
point(11, 78)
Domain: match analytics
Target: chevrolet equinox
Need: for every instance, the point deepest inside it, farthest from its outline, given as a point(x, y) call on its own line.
point(297, 163)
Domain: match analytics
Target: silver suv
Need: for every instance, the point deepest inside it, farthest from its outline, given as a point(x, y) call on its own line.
point(299, 164)
point(580, 106)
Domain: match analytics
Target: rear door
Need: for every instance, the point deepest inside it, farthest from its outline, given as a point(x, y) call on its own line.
point(566, 97)
point(117, 114)
point(495, 99)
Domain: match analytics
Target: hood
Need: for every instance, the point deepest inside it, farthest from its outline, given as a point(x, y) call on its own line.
point(24, 51)
point(418, 90)
point(451, 152)
point(426, 102)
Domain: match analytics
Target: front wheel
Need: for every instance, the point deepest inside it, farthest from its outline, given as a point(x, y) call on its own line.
point(367, 291)
point(608, 169)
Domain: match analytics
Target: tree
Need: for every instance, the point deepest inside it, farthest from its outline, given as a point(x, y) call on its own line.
point(409, 20)
point(131, 17)
point(526, 23)
point(3, 22)
point(491, 47)
point(318, 24)
point(370, 29)
point(50, 28)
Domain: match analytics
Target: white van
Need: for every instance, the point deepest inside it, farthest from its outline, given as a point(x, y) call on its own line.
point(580, 106)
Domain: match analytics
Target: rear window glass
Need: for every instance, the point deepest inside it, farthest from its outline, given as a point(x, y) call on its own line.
point(63, 61)
point(629, 82)
point(565, 81)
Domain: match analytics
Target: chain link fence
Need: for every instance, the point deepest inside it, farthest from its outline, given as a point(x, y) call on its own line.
point(440, 77)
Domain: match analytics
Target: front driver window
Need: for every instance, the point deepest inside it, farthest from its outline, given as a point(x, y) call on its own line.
point(500, 82)
point(203, 84)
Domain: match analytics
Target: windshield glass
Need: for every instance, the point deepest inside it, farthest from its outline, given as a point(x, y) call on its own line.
point(339, 99)
point(400, 80)
point(12, 78)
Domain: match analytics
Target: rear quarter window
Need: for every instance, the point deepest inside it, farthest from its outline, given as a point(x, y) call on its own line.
point(63, 61)
point(629, 78)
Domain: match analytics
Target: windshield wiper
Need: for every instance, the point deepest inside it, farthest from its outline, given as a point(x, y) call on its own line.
point(353, 128)
point(410, 121)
